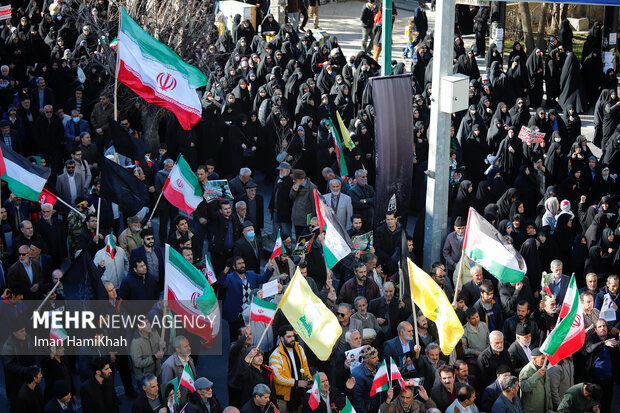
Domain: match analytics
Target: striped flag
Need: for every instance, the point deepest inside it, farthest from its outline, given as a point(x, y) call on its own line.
point(262, 311)
point(157, 74)
point(277, 247)
point(182, 188)
point(569, 335)
point(25, 179)
point(209, 271)
point(315, 393)
point(337, 244)
point(187, 293)
point(110, 243)
point(485, 245)
point(348, 407)
point(187, 378)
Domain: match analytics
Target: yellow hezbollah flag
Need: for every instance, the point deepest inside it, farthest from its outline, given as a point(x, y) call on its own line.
point(311, 319)
point(344, 133)
point(435, 305)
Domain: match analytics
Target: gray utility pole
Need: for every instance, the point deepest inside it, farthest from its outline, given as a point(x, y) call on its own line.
point(437, 184)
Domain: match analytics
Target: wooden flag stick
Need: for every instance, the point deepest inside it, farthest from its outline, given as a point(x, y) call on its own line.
point(47, 297)
point(156, 204)
point(98, 213)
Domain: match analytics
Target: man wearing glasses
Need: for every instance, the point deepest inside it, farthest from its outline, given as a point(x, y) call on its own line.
point(25, 273)
point(152, 256)
point(70, 185)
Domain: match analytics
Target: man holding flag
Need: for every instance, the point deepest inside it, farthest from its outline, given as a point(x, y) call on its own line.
point(176, 364)
point(406, 402)
point(327, 395)
point(364, 375)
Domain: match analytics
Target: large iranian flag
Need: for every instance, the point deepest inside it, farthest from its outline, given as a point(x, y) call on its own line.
point(182, 188)
point(337, 244)
point(25, 179)
point(159, 75)
point(189, 295)
point(569, 335)
point(486, 246)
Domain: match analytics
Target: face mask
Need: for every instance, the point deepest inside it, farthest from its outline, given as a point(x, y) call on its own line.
point(76, 120)
point(558, 140)
point(250, 235)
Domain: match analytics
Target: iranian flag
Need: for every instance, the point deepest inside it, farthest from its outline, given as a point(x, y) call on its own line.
point(209, 271)
point(381, 380)
point(342, 164)
point(486, 246)
point(187, 378)
point(348, 407)
point(188, 294)
point(157, 74)
point(569, 334)
point(58, 334)
point(277, 247)
point(25, 179)
point(315, 393)
point(182, 188)
point(262, 311)
point(110, 244)
point(337, 244)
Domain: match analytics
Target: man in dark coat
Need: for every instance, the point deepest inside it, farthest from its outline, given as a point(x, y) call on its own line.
point(152, 256)
point(248, 247)
point(50, 228)
point(259, 401)
point(61, 401)
point(521, 350)
point(481, 27)
point(492, 357)
point(25, 273)
point(280, 205)
point(88, 239)
point(97, 393)
point(387, 241)
point(222, 240)
point(150, 399)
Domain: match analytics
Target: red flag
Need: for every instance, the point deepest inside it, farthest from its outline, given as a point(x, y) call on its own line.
point(47, 197)
point(2, 165)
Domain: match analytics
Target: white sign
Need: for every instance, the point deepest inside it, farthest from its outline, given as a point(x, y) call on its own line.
point(355, 357)
point(270, 289)
point(607, 311)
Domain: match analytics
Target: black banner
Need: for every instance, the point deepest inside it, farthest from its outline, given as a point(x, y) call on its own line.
point(392, 100)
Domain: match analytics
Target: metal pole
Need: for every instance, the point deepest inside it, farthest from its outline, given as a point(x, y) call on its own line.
point(439, 138)
point(386, 38)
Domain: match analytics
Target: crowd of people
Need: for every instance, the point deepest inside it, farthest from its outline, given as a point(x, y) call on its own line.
point(272, 91)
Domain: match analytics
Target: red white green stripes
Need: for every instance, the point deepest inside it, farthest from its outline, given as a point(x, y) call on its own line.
point(384, 378)
point(182, 188)
point(277, 247)
point(188, 294)
point(262, 311)
point(187, 378)
point(315, 393)
point(337, 243)
point(159, 75)
point(569, 335)
point(110, 243)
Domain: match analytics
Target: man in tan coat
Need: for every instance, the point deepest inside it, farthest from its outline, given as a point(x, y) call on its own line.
point(130, 239)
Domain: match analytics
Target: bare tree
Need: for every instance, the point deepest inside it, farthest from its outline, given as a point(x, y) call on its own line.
point(540, 38)
point(526, 24)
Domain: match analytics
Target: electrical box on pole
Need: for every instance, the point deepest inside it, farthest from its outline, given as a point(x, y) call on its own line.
point(454, 93)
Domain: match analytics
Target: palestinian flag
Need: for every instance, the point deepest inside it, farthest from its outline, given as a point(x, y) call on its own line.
point(187, 379)
point(25, 179)
point(348, 407)
point(486, 246)
point(337, 244)
point(277, 247)
point(110, 244)
point(2, 165)
point(315, 393)
point(188, 294)
point(569, 335)
point(157, 74)
point(381, 381)
point(47, 197)
point(344, 132)
point(182, 188)
point(209, 271)
point(342, 164)
point(262, 311)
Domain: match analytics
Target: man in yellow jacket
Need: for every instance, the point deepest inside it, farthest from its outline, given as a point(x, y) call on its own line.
point(291, 373)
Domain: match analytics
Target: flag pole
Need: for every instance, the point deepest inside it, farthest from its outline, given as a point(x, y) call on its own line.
point(120, 19)
point(98, 213)
point(69, 206)
point(46, 298)
point(260, 340)
point(458, 279)
point(163, 327)
point(156, 204)
point(415, 315)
